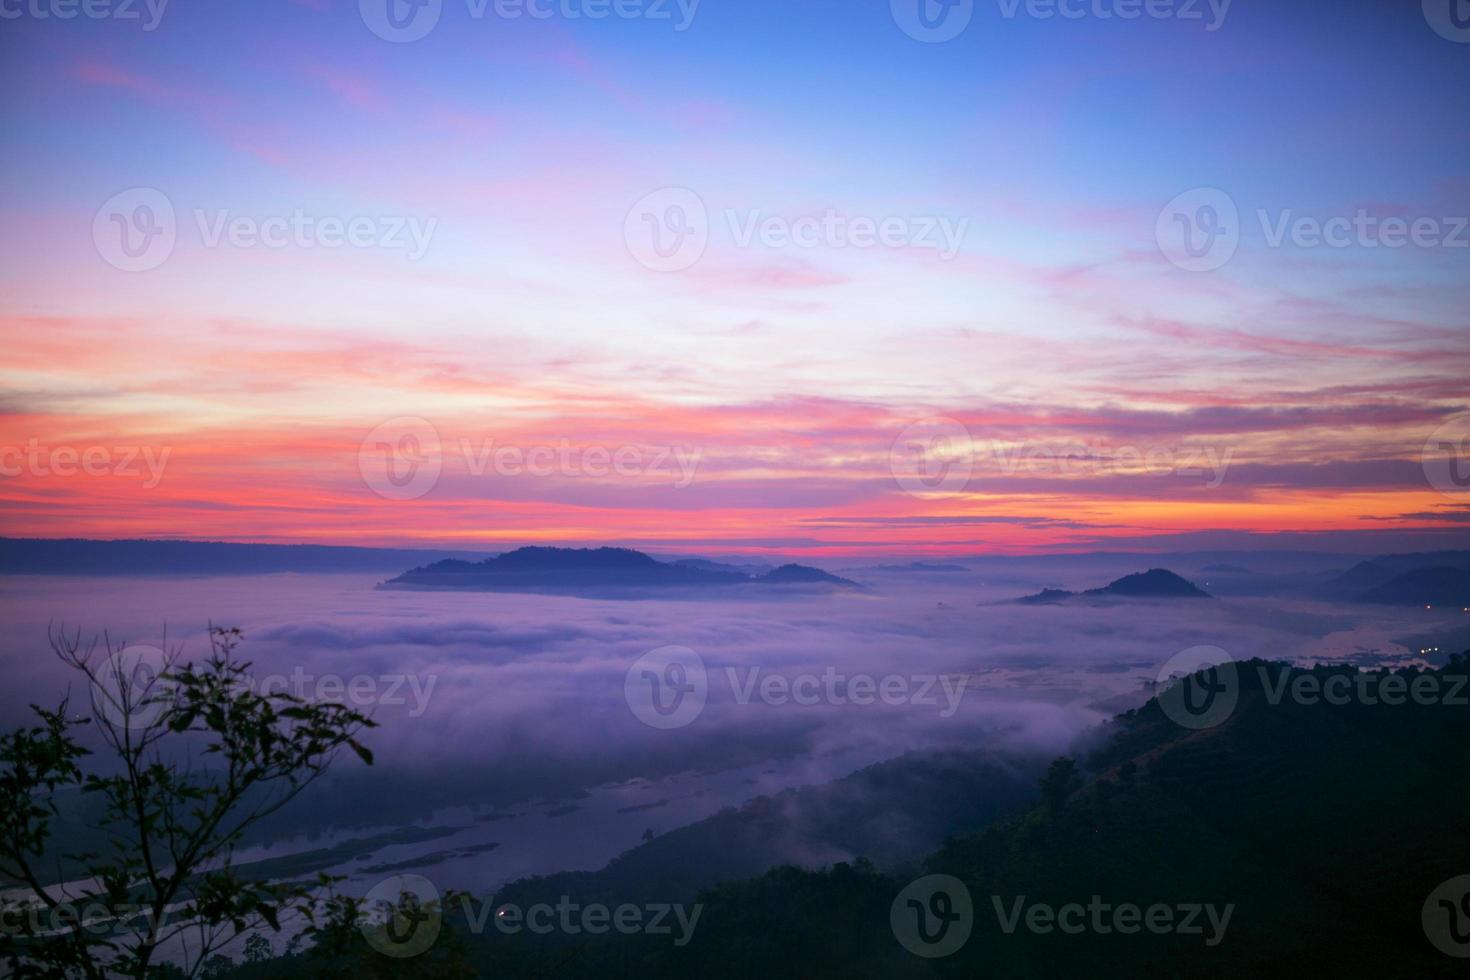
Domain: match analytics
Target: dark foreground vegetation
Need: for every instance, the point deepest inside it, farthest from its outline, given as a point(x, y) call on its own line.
point(1324, 825)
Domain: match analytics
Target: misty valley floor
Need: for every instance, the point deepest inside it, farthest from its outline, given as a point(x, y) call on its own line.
point(505, 734)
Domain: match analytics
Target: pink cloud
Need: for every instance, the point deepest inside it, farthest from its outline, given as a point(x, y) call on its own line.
point(356, 90)
point(110, 75)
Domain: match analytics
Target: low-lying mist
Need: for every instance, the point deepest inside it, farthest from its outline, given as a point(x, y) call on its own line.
point(500, 700)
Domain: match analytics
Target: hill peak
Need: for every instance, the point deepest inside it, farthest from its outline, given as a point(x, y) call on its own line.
point(607, 570)
point(1156, 583)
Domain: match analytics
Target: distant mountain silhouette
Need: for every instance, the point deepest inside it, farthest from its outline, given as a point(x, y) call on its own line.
point(919, 566)
point(1387, 579)
point(540, 569)
point(1156, 583)
point(1425, 587)
point(802, 575)
point(1361, 577)
point(79, 556)
point(1046, 595)
point(753, 568)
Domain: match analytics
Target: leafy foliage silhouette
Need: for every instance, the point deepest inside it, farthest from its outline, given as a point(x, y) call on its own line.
point(192, 757)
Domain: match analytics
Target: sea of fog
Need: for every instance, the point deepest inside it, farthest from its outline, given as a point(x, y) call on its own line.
point(507, 746)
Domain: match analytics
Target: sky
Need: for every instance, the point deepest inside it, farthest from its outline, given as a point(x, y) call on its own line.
point(825, 277)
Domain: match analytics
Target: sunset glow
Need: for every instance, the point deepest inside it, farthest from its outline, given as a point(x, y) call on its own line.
point(1111, 397)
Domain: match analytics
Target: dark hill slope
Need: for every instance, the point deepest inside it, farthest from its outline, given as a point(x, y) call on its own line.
point(1325, 827)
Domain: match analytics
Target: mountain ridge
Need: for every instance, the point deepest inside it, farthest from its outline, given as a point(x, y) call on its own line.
point(554, 570)
point(1156, 583)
